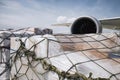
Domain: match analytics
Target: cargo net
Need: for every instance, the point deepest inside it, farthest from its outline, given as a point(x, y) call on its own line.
point(60, 57)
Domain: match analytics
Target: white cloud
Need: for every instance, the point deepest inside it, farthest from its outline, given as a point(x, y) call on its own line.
point(61, 19)
point(64, 19)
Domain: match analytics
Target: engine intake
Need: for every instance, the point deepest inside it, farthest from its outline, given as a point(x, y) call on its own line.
point(85, 25)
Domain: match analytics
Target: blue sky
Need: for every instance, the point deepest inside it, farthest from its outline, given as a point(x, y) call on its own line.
point(43, 13)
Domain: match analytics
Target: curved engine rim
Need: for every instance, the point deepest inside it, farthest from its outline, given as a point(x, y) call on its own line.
point(97, 23)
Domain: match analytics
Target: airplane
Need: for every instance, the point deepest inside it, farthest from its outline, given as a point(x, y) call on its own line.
point(89, 24)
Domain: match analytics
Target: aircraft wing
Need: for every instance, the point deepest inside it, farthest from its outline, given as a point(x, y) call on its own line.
point(111, 23)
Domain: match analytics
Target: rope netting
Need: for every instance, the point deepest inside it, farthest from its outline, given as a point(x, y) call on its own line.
point(28, 56)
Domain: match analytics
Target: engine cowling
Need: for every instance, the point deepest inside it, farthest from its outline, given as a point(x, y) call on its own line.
point(86, 25)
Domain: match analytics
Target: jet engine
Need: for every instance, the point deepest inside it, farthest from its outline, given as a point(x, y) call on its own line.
point(85, 25)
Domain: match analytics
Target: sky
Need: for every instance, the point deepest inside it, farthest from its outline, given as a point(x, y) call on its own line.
point(43, 13)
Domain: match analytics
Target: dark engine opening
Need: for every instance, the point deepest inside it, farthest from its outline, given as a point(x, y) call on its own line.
point(83, 26)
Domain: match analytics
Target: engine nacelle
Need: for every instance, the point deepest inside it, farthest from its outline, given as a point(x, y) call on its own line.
point(85, 25)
